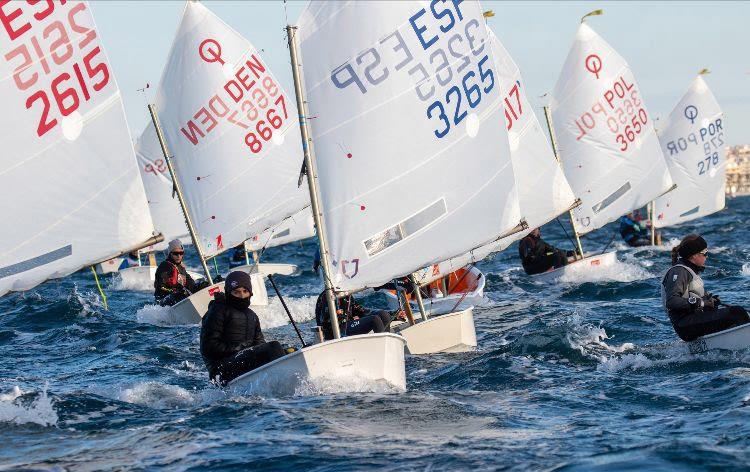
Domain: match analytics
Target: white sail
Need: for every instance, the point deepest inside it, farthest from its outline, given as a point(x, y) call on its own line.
point(406, 119)
point(543, 191)
point(607, 143)
point(295, 228)
point(693, 142)
point(163, 205)
point(232, 130)
point(71, 194)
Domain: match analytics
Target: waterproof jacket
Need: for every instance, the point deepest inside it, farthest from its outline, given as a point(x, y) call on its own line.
point(166, 280)
point(631, 229)
point(226, 330)
point(351, 310)
point(682, 290)
point(535, 254)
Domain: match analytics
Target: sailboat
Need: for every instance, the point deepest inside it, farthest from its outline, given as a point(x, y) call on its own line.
point(409, 176)
point(543, 194)
point(294, 228)
point(227, 121)
point(63, 128)
point(605, 138)
point(692, 139)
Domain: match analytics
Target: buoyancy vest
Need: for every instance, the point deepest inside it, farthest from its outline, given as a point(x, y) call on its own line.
point(695, 287)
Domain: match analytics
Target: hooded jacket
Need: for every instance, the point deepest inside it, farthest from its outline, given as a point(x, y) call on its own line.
point(226, 330)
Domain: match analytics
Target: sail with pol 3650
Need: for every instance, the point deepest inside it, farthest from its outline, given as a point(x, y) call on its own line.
point(693, 140)
point(543, 191)
point(412, 153)
point(606, 139)
point(226, 120)
point(64, 129)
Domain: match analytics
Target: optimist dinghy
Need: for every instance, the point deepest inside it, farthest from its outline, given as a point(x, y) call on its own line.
point(607, 142)
point(252, 185)
point(342, 362)
point(377, 235)
point(464, 287)
point(732, 339)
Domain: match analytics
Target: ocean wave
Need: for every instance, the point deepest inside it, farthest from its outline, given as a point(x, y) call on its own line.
point(40, 411)
point(620, 271)
point(165, 396)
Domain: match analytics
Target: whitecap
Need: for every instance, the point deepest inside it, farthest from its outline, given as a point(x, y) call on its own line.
point(41, 411)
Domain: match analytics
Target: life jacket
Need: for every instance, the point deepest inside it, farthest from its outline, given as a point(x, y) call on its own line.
point(695, 287)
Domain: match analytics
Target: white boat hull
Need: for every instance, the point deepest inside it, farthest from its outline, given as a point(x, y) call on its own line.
point(192, 309)
point(451, 332)
point(442, 305)
point(588, 263)
point(731, 339)
point(370, 357)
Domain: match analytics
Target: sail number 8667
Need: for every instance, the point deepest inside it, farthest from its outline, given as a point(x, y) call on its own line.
point(470, 89)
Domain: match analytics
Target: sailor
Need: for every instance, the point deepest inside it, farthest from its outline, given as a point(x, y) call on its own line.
point(130, 260)
point(172, 283)
point(238, 257)
point(231, 340)
point(537, 256)
point(692, 310)
point(353, 318)
point(633, 230)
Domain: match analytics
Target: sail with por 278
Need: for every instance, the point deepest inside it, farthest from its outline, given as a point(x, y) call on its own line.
point(71, 194)
point(411, 148)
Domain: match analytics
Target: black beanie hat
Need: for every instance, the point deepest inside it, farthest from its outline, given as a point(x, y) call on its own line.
point(238, 279)
point(691, 247)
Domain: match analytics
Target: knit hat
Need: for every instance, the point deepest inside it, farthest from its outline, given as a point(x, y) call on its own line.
point(238, 279)
point(691, 247)
point(175, 245)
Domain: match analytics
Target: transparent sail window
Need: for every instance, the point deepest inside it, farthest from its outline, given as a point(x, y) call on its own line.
point(406, 228)
point(612, 198)
point(282, 234)
point(691, 211)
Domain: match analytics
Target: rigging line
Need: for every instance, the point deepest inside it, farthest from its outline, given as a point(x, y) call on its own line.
point(566, 233)
point(610, 242)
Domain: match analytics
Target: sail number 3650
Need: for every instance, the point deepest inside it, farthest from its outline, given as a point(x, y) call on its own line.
point(472, 84)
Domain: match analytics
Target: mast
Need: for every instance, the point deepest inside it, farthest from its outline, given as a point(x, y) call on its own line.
point(312, 178)
point(418, 295)
point(553, 139)
point(178, 190)
point(651, 219)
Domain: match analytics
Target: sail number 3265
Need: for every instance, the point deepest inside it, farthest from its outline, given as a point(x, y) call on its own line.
point(453, 109)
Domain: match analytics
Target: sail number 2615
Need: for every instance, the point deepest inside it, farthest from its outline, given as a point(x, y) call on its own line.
point(453, 109)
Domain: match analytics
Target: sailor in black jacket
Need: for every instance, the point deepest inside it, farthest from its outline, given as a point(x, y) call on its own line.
point(537, 256)
point(232, 342)
point(693, 311)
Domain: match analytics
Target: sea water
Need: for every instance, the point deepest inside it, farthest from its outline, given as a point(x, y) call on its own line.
point(586, 374)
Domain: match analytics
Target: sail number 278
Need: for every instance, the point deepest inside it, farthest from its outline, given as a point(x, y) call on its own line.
point(453, 110)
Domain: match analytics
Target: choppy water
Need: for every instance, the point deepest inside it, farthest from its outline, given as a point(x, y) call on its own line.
point(586, 375)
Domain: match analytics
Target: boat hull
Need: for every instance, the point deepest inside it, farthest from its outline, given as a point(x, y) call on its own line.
point(369, 357)
point(595, 262)
point(457, 301)
point(192, 309)
point(731, 339)
point(451, 332)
